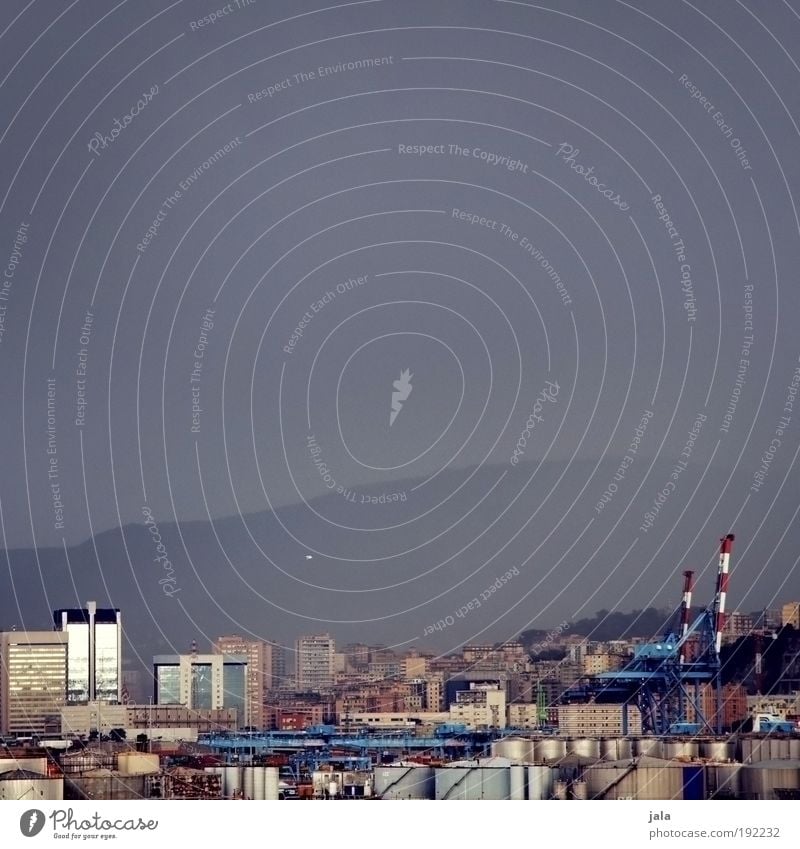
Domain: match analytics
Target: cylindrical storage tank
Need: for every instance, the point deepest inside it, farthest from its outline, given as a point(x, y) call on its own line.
point(603, 781)
point(616, 748)
point(794, 748)
point(248, 781)
point(517, 782)
point(271, 781)
point(560, 789)
point(493, 782)
point(549, 749)
point(656, 782)
point(724, 781)
point(540, 782)
point(585, 747)
point(86, 762)
point(779, 748)
point(31, 789)
point(650, 746)
point(472, 782)
point(38, 765)
point(580, 790)
point(232, 781)
point(755, 749)
point(517, 749)
point(762, 779)
point(137, 763)
point(259, 783)
point(404, 781)
point(718, 751)
point(684, 749)
point(450, 782)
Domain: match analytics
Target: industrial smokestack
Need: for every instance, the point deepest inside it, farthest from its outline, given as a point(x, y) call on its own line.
point(725, 546)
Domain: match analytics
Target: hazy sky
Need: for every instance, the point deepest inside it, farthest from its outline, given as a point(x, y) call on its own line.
point(226, 234)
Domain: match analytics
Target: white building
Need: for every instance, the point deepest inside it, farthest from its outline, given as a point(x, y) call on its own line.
point(483, 706)
point(314, 662)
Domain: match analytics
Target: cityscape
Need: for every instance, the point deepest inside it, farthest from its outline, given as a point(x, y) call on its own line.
point(397, 404)
point(708, 709)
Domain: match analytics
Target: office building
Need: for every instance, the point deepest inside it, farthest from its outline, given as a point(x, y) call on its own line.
point(202, 682)
point(94, 638)
point(33, 681)
point(314, 663)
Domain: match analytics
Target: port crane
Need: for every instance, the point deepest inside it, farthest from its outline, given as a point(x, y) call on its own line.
point(665, 677)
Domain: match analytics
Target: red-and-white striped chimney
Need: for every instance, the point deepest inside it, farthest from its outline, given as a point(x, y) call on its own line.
point(726, 544)
point(686, 606)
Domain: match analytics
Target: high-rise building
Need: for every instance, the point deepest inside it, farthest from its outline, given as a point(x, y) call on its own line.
point(314, 662)
point(202, 682)
point(94, 637)
point(259, 672)
point(33, 681)
point(790, 614)
point(280, 674)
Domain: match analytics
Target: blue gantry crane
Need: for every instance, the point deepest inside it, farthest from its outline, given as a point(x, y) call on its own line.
point(664, 678)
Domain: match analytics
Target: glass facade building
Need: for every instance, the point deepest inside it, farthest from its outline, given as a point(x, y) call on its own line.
point(202, 682)
point(33, 678)
point(94, 660)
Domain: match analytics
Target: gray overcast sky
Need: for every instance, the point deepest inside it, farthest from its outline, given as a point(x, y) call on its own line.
point(226, 233)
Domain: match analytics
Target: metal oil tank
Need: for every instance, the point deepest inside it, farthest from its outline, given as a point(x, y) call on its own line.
point(684, 749)
point(137, 763)
point(517, 749)
point(616, 748)
point(450, 782)
point(718, 751)
point(755, 749)
point(761, 780)
point(494, 782)
point(271, 783)
point(404, 781)
point(604, 778)
point(549, 749)
point(584, 747)
point(647, 778)
point(560, 789)
point(724, 781)
point(779, 748)
point(661, 781)
point(649, 746)
point(248, 777)
point(794, 748)
point(580, 790)
point(540, 782)
point(16, 784)
point(472, 782)
point(517, 782)
point(259, 783)
point(232, 781)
